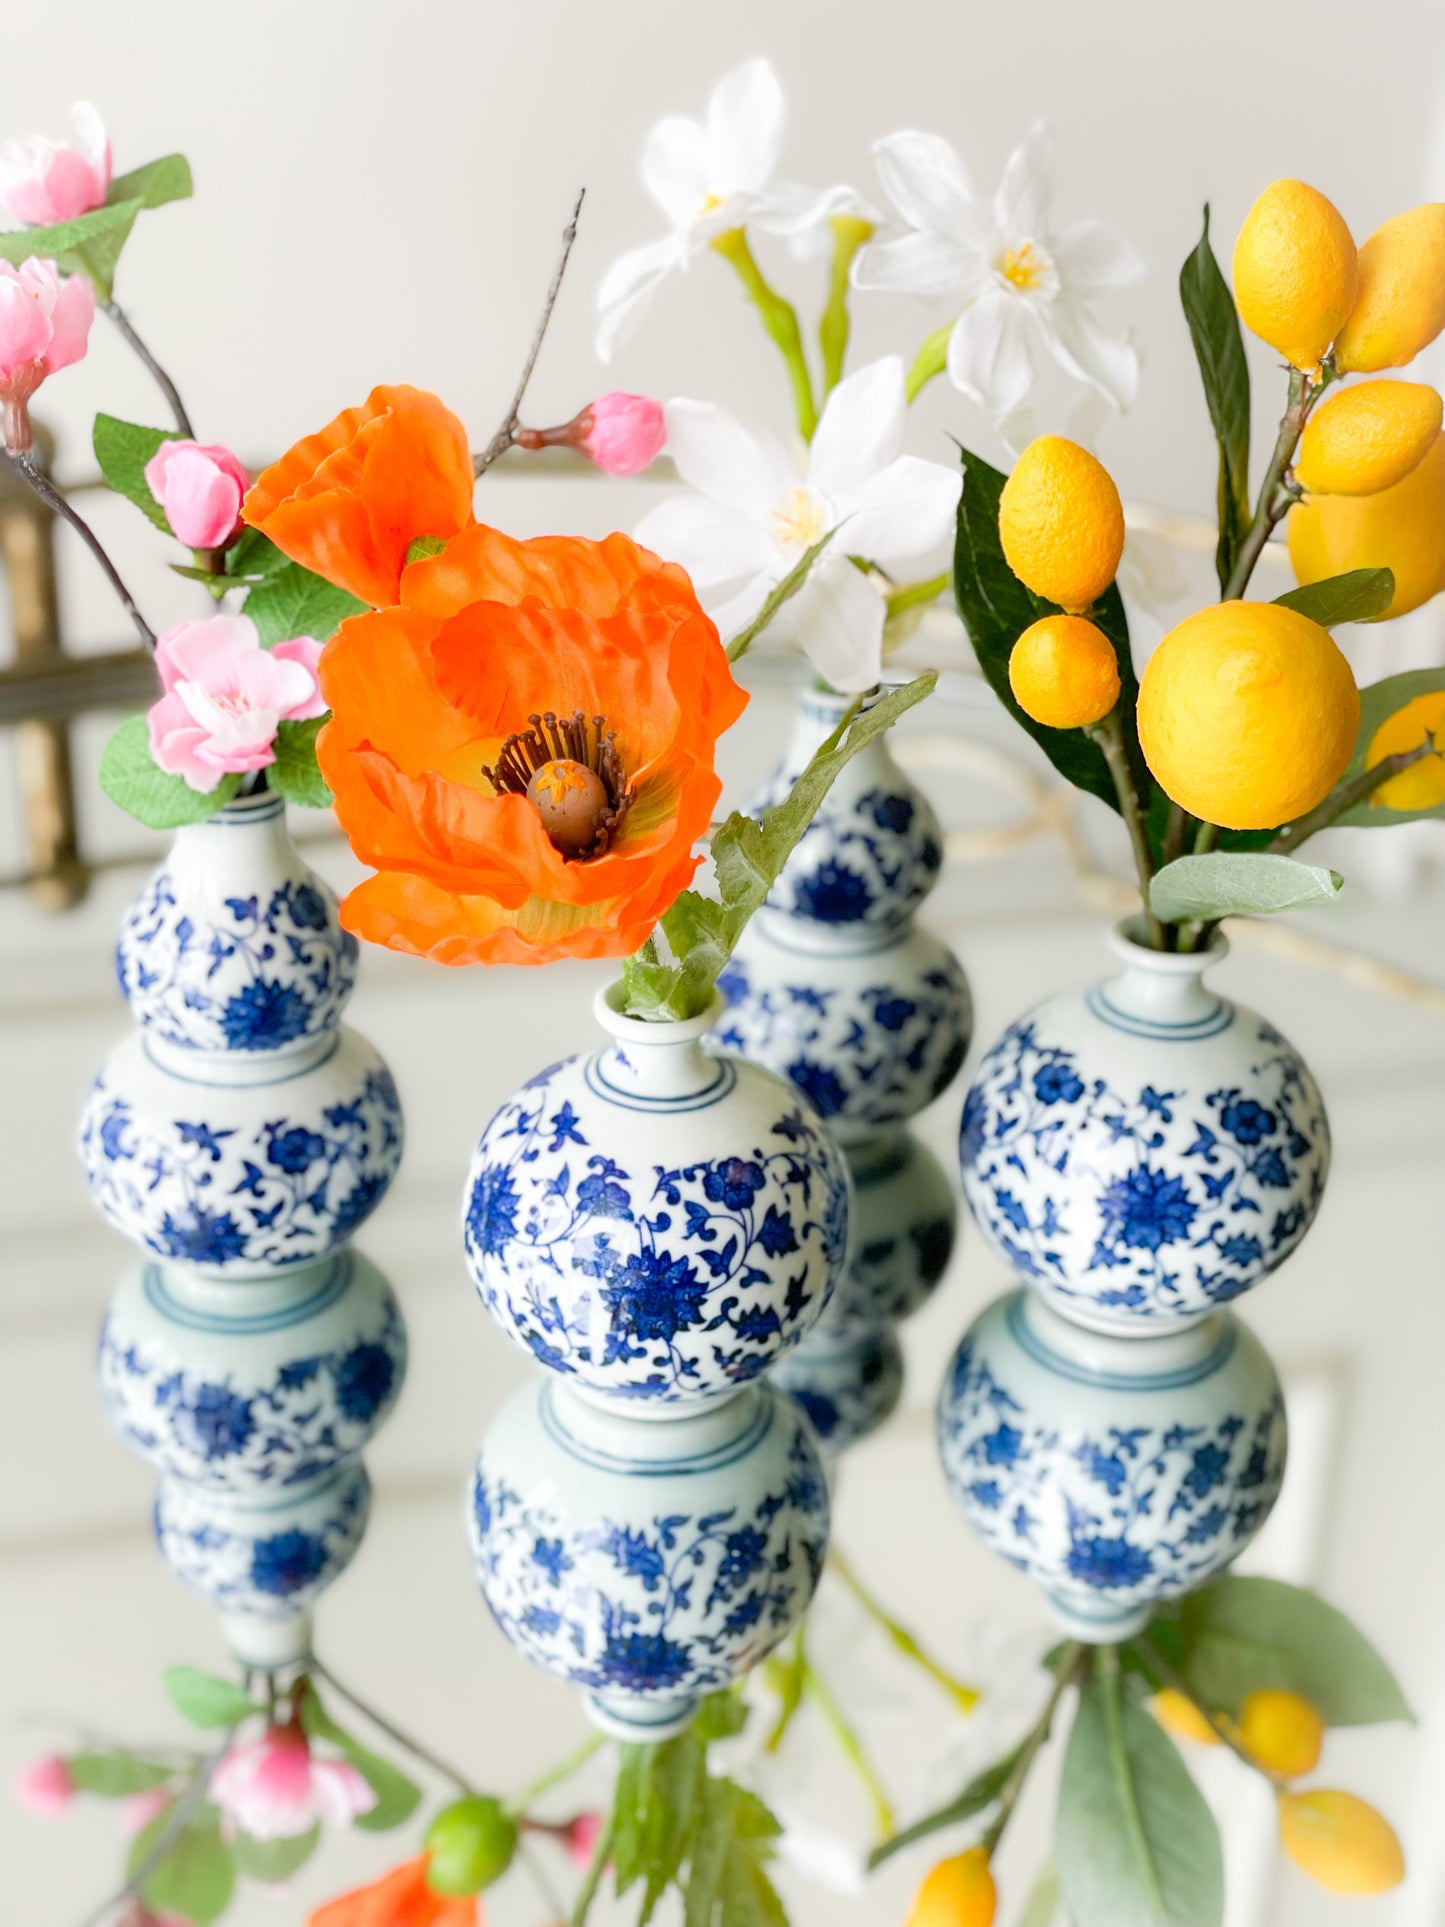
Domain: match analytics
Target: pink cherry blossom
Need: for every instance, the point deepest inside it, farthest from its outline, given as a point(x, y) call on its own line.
point(624, 433)
point(579, 1836)
point(45, 322)
point(275, 1788)
point(42, 181)
point(200, 488)
point(225, 696)
point(45, 1786)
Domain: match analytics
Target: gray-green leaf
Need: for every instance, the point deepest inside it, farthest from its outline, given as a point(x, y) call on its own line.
point(115, 1776)
point(1219, 350)
point(272, 1861)
point(1354, 596)
point(205, 1700)
point(295, 774)
point(1238, 883)
point(196, 1878)
point(1135, 1842)
point(397, 1797)
point(123, 449)
point(129, 776)
point(293, 602)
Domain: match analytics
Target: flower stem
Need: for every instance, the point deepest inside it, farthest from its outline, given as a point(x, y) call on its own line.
point(1275, 494)
point(964, 1697)
point(929, 361)
point(912, 593)
point(1346, 795)
point(562, 1770)
point(785, 1675)
point(506, 434)
point(162, 380)
point(1072, 1663)
point(38, 480)
point(588, 1892)
point(392, 1732)
point(849, 234)
point(779, 319)
point(851, 1746)
point(1109, 735)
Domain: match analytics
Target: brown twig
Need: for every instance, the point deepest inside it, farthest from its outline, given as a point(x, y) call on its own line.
point(506, 434)
point(1276, 493)
point(1348, 794)
point(181, 1814)
point(162, 380)
point(40, 482)
point(393, 1733)
point(1109, 735)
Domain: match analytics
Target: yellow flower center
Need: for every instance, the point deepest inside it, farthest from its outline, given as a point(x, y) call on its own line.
point(1022, 268)
point(799, 520)
point(709, 204)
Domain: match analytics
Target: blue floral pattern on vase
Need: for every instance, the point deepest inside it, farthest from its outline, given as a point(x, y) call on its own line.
point(1115, 1473)
point(1140, 1178)
point(238, 1180)
point(845, 1391)
point(638, 1275)
point(902, 1230)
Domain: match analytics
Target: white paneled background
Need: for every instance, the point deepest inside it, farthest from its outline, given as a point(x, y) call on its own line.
point(379, 198)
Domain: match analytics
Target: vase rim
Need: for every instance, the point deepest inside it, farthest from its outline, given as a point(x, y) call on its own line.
point(243, 805)
point(1128, 945)
point(644, 1030)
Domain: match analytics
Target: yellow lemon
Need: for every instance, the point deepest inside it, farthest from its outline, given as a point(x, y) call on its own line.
point(1248, 714)
point(1061, 523)
point(1402, 528)
point(956, 1893)
point(1063, 672)
point(1282, 1731)
point(1368, 438)
point(1421, 786)
point(1178, 1715)
point(1340, 1841)
point(1295, 271)
point(1400, 307)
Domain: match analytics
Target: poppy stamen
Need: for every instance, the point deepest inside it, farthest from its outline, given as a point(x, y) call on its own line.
point(574, 780)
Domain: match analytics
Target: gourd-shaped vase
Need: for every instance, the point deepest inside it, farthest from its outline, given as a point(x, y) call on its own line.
point(836, 987)
point(658, 1226)
point(241, 1136)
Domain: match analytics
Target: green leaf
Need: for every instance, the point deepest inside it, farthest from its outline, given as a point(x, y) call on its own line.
point(657, 1809)
point(205, 1700)
point(272, 1861)
point(123, 449)
point(422, 547)
point(115, 1776)
point(129, 776)
point(295, 774)
point(292, 601)
point(1378, 702)
point(748, 858)
point(727, 1882)
point(397, 1797)
point(722, 1716)
point(1042, 1906)
point(981, 1792)
point(252, 557)
point(1238, 883)
point(1242, 1634)
point(1219, 350)
point(168, 179)
point(198, 1875)
point(1354, 596)
point(780, 593)
point(1134, 1841)
point(996, 608)
point(89, 245)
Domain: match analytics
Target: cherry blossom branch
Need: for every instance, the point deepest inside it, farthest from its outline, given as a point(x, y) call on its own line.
point(181, 1814)
point(394, 1733)
point(40, 482)
point(162, 380)
point(507, 433)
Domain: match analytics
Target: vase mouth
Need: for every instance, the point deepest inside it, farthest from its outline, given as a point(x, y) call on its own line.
point(640, 1031)
point(263, 799)
point(1128, 943)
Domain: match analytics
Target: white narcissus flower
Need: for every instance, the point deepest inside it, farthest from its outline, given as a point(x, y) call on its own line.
point(1023, 290)
point(710, 176)
point(755, 511)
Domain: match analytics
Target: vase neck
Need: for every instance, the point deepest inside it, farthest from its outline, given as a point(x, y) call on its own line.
point(237, 848)
point(659, 1064)
point(819, 713)
point(1161, 992)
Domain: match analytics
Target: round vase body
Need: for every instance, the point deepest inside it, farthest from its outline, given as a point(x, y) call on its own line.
point(901, 1228)
point(1116, 1471)
point(846, 1391)
point(647, 1564)
point(653, 1222)
point(1144, 1151)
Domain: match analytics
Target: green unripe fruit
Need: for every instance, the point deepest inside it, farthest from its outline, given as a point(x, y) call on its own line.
point(469, 1845)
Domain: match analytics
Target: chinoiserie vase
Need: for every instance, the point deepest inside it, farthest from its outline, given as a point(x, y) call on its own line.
point(240, 1136)
point(836, 987)
point(658, 1225)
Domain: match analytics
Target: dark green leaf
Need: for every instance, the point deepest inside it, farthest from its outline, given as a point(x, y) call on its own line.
point(1219, 350)
point(1378, 702)
point(293, 602)
point(168, 179)
point(205, 1700)
point(1202, 889)
point(272, 1861)
point(1134, 1841)
point(129, 777)
point(294, 774)
point(115, 1776)
point(253, 556)
point(748, 858)
point(123, 449)
point(996, 608)
point(981, 1792)
point(197, 1876)
point(397, 1797)
point(1353, 597)
point(1242, 1634)
point(90, 244)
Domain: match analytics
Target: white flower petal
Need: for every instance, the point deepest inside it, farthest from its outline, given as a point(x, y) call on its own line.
point(1093, 260)
point(831, 1859)
point(719, 547)
point(629, 285)
point(837, 617)
point(860, 431)
point(924, 263)
point(906, 510)
point(675, 168)
point(802, 214)
point(989, 356)
point(726, 461)
point(744, 129)
point(1021, 205)
point(925, 180)
point(1090, 353)
point(91, 129)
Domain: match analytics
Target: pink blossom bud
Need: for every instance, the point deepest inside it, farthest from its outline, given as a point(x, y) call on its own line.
point(199, 486)
point(622, 433)
point(43, 181)
point(45, 1786)
point(224, 699)
point(580, 1838)
point(45, 322)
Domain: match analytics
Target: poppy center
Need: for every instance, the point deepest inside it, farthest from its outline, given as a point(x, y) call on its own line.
point(572, 775)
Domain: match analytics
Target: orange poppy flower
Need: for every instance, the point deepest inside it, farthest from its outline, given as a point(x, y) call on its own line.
point(524, 750)
point(400, 1898)
point(349, 501)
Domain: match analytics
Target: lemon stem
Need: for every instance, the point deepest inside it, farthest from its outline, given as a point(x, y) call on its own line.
point(851, 1747)
point(1073, 1663)
point(929, 361)
point(964, 1697)
point(780, 321)
point(1109, 735)
point(1275, 494)
point(849, 234)
point(1345, 795)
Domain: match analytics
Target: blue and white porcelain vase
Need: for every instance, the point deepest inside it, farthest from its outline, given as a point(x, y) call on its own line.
point(658, 1226)
point(241, 1136)
point(837, 988)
